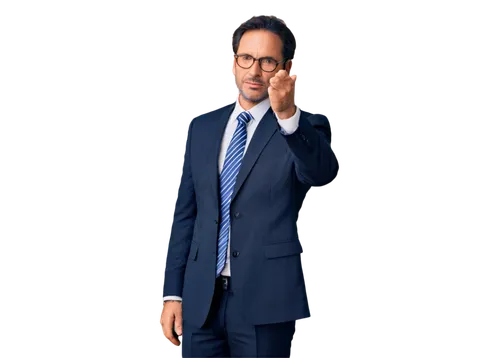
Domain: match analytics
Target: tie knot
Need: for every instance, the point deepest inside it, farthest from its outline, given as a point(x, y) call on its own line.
point(244, 117)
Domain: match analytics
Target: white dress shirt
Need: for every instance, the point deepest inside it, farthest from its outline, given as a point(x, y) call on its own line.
point(288, 126)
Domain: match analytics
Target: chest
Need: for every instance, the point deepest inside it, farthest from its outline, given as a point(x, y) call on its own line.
point(267, 161)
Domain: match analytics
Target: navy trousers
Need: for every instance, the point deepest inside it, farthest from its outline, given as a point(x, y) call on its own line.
point(227, 334)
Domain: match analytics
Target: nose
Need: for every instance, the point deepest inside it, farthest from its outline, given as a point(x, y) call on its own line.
point(255, 70)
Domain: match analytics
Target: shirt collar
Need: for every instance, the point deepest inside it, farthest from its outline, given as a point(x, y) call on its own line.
point(258, 111)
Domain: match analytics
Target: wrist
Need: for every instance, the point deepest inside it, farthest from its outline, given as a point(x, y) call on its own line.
point(288, 113)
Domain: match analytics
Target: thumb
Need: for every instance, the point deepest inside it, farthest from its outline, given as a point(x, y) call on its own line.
point(178, 325)
point(294, 78)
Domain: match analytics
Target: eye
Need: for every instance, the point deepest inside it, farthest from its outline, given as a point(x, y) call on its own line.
point(268, 61)
point(247, 57)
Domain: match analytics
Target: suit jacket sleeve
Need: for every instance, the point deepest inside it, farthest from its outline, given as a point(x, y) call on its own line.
point(182, 228)
point(315, 162)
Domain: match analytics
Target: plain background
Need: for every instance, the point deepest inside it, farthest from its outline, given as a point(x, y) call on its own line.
point(119, 84)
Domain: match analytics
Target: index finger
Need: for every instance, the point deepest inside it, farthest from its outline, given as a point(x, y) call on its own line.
point(168, 330)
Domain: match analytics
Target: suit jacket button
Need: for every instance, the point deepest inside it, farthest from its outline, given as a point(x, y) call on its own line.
point(236, 253)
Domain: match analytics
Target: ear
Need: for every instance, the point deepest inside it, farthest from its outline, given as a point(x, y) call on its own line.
point(288, 66)
point(234, 67)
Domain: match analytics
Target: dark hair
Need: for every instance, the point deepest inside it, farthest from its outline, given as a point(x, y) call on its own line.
point(269, 23)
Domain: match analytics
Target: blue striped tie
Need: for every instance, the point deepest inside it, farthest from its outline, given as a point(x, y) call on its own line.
point(232, 164)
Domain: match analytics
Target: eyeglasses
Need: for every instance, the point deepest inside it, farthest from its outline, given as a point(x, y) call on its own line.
point(266, 64)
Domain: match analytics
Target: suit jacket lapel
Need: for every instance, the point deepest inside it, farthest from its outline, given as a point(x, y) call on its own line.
point(213, 158)
point(263, 133)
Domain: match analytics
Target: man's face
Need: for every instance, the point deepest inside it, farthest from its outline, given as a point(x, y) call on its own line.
point(253, 82)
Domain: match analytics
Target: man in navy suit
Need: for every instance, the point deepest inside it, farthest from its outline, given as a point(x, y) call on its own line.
point(234, 285)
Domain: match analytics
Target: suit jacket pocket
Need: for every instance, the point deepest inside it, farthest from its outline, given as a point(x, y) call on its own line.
point(283, 249)
point(193, 252)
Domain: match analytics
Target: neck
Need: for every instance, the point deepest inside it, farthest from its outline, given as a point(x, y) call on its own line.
point(246, 104)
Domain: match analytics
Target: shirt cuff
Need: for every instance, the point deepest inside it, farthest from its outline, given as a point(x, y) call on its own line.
point(174, 298)
point(290, 125)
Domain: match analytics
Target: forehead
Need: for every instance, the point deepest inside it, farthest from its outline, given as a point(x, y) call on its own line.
point(260, 43)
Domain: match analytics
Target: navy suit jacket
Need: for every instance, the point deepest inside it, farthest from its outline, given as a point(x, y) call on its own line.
point(275, 175)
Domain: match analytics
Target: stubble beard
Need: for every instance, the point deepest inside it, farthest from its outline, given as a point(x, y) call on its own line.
point(253, 100)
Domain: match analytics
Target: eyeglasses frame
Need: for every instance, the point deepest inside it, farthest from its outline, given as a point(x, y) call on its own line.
point(260, 63)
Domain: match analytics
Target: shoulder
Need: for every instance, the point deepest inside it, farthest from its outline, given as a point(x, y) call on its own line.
point(217, 113)
point(314, 118)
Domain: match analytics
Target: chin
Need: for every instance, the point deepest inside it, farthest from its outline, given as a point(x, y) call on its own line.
point(255, 97)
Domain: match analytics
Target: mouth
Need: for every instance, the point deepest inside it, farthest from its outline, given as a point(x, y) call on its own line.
point(254, 84)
